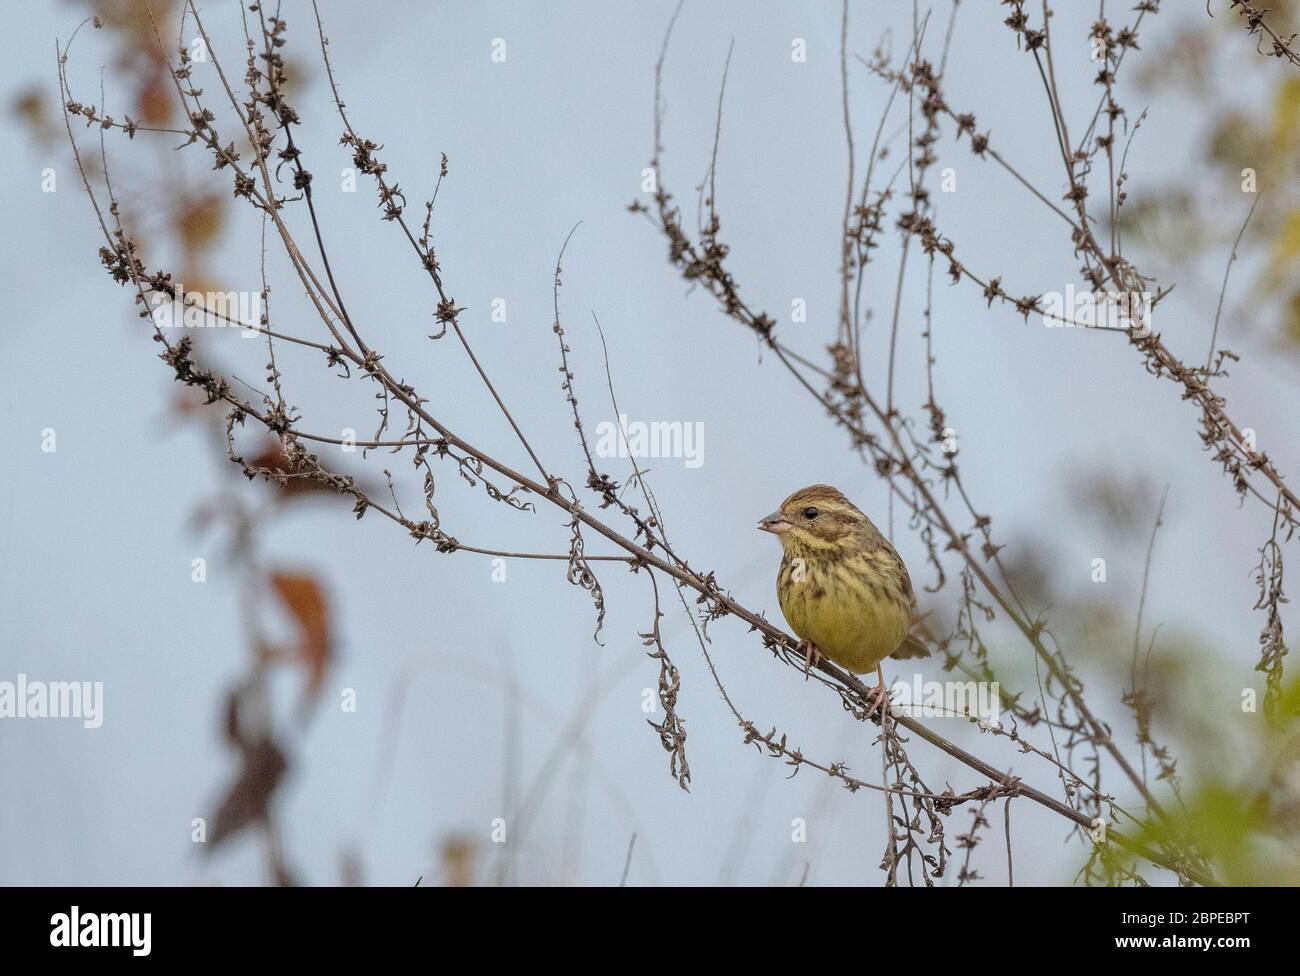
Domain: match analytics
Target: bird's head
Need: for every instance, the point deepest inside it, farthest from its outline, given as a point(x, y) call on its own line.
point(818, 518)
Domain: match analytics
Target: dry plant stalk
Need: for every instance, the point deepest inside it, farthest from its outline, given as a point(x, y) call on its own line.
point(914, 465)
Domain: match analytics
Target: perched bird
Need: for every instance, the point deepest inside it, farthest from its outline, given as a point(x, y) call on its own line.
point(842, 587)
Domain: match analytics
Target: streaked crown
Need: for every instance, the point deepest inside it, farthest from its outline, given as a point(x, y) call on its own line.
point(821, 497)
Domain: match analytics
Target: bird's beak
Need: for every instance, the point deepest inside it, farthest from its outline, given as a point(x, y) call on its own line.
point(776, 523)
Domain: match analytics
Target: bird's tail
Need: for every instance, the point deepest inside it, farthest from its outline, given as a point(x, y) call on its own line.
point(911, 647)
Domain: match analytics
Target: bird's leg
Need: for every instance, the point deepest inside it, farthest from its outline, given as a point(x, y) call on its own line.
point(879, 696)
point(811, 656)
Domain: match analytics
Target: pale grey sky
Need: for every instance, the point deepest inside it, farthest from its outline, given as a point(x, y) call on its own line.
point(97, 538)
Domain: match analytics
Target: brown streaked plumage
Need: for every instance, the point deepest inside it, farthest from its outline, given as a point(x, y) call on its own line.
point(842, 587)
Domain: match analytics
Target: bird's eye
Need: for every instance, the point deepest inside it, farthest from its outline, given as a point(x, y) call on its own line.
point(810, 513)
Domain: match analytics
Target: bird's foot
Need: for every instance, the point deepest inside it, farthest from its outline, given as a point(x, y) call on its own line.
point(811, 656)
point(877, 699)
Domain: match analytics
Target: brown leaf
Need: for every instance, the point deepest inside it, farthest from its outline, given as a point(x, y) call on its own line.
point(199, 221)
point(154, 103)
point(274, 460)
point(31, 106)
point(305, 600)
point(231, 719)
point(185, 404)
point(250, 795)
point(458, 861)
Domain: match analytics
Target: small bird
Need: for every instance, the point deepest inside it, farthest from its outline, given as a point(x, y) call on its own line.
point(842, 587)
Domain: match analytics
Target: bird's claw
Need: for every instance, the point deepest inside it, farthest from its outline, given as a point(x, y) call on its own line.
point(811, 656)
point(876, 699)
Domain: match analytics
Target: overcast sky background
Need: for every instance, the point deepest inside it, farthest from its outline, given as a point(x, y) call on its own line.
point(97, 541)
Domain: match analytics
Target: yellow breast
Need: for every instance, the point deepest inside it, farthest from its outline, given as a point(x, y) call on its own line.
point(856, 617)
